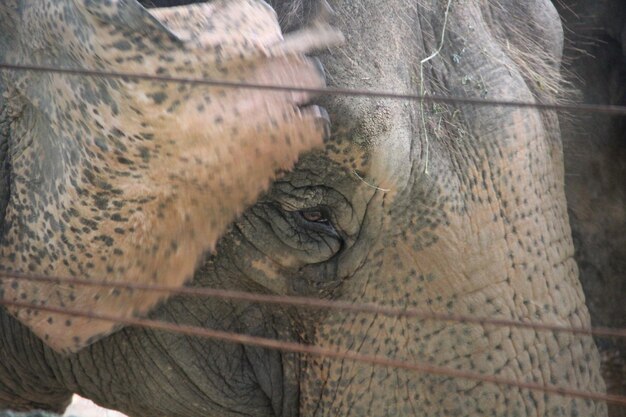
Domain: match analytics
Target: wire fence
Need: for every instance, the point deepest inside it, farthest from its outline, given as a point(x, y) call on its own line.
point(320, 304)
point(332, 91)
point(317, 303)
point(314, 350)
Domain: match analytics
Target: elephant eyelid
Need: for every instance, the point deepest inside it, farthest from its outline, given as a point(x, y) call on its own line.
point(314, 215)
point(317, 219)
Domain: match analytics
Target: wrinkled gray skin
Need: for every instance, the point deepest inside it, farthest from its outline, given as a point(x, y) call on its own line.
point(484, 231)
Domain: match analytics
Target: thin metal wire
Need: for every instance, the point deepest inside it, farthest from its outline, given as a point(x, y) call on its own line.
point(586, 108)
point(323, 352)
point(317, 303)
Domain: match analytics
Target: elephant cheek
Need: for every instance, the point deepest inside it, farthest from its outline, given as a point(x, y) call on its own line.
point(439, 278)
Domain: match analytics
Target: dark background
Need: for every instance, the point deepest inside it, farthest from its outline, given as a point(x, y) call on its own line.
point(595, 167)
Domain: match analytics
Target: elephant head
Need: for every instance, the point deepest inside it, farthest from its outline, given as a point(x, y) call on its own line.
point(453, 209)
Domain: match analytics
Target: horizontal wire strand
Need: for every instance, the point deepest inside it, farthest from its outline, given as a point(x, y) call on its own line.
point(586, 108)
point(317, 303)
point(324, 352)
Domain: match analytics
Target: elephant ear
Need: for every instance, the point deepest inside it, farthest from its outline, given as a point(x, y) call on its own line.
point(122, 179)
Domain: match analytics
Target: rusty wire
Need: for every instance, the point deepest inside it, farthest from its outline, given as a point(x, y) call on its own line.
point(314, 350)
point(587, 108)
point(317, 303)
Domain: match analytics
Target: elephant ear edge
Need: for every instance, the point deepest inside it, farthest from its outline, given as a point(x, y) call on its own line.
point(186, 196)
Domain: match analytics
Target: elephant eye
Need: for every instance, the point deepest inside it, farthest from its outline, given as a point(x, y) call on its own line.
point(314, 216)
point(316, 219)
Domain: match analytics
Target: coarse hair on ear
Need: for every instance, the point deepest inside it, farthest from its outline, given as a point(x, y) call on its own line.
point(293, 14)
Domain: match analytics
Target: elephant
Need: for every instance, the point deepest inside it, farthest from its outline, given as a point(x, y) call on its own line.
point(448, 208)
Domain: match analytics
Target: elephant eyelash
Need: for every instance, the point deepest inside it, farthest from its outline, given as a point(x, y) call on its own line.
point(314, 216)
point(316, 219)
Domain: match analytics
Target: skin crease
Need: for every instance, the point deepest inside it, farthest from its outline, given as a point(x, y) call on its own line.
point(482, 231)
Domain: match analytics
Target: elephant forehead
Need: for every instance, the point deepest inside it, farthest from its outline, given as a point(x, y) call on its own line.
point(375, 140)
